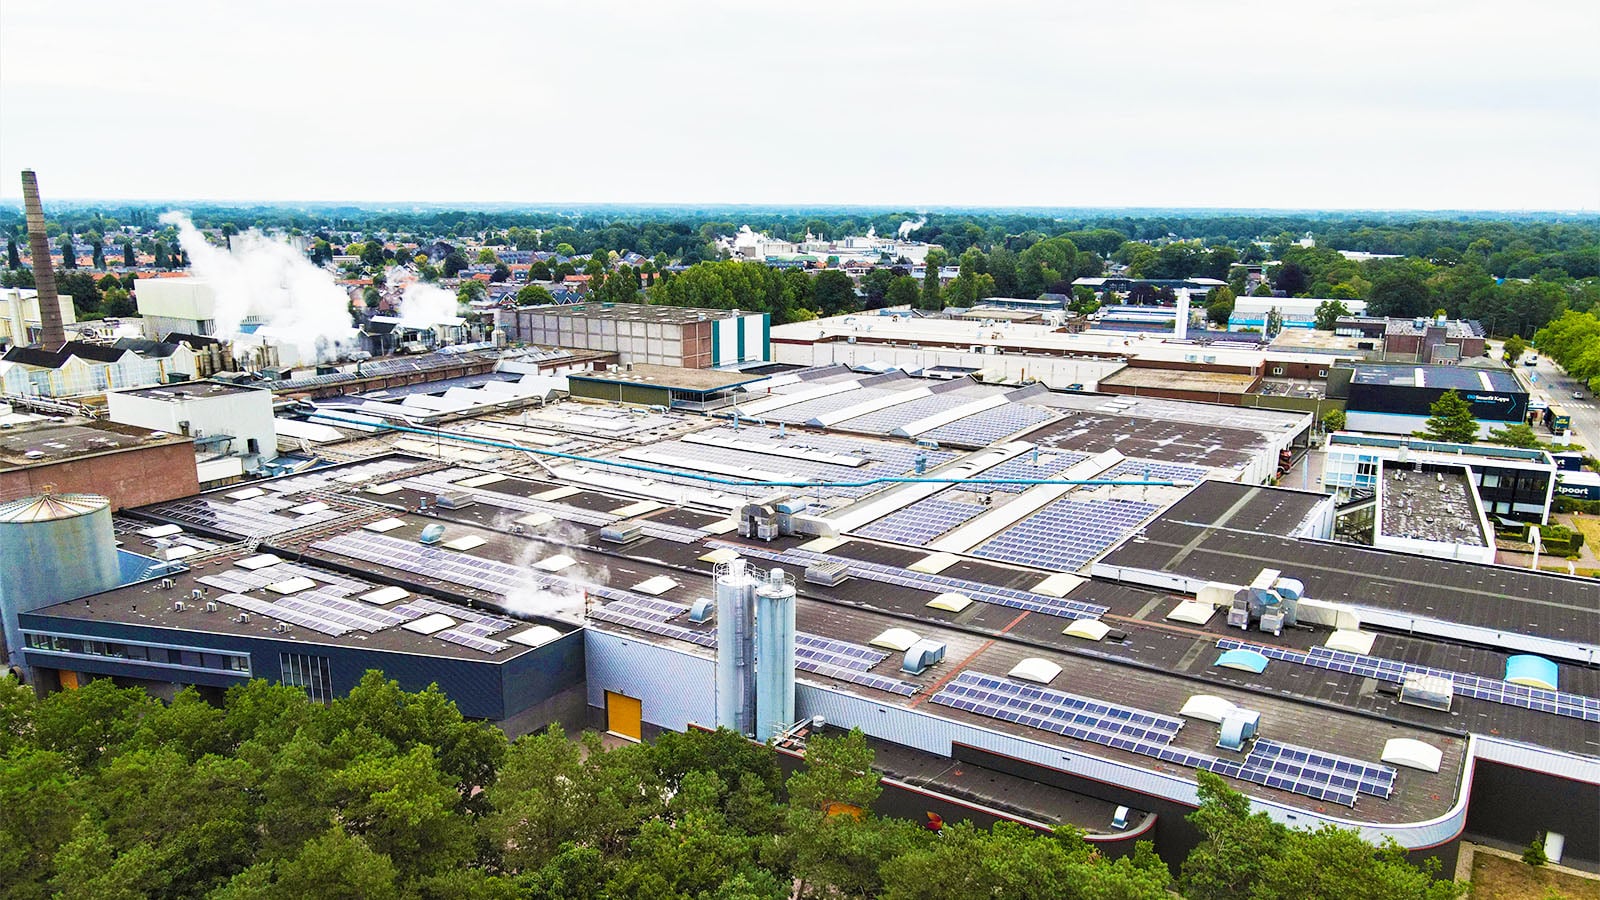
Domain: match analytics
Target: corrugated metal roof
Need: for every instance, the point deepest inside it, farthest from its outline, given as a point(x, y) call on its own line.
point(51, 507)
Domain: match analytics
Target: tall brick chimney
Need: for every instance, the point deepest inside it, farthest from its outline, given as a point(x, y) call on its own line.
point(52, 334)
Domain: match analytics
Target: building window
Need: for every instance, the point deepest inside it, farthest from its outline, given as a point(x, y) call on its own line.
point(1277, 370)
point(239, 664)
point(308, 672)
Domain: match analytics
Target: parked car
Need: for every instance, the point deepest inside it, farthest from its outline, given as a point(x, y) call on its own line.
point(1577, 395)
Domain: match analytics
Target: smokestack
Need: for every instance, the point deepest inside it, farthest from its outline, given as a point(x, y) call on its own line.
point(52, 334)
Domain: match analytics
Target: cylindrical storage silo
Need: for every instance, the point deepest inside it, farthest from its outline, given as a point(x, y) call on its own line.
point(736, 695)
point(53, 547)
point(774, 655)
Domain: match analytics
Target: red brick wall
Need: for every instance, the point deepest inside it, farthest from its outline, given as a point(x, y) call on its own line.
point(129, 478)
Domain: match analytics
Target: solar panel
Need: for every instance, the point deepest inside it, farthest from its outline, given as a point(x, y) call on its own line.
point(1140, 469)
point(473, 641)
point(665, 629)
point(1067, 533)
point(1339, 771)
point(987, 593)
point(984, 428)
point(285, 614)
point(1494, 690)
point(1307, 772)
point(1051, 464)
point(857, 676)
point(920, 522)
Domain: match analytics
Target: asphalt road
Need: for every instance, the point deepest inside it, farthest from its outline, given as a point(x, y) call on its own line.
point(1555, 384)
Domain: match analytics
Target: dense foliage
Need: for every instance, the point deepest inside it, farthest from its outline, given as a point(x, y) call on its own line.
point(389, 794)
point(1515, 273)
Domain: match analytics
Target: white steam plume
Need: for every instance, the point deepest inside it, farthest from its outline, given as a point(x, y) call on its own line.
point(908, 226)
point(424, 305)
point(532, 597)
point(268, 281)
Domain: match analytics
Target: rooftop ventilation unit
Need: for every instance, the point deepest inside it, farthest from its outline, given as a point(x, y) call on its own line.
point(622, 533)
point(1427, 691)
point(177, 606)
point(703, 610)
point(168, 584)
point(1238, 726)
point(827, 574)
point(211, 606)
point(453, 500)
point(921, 655)
point(432, 534)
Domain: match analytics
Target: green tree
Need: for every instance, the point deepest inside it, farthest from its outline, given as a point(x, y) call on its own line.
point(1333, 420)
point(835, 293)
point(930, 282)
point(565, 249)
point(1534, 854)
point(1328, 313)
point(1518, 435)
point(1219, 306)
point(1515, 346)
point(486, 257)
point(69, 253)
point(453, 263)
point(1450, 420)
point(13, 259)
point(1012, 862)
point(902, 292)
point(471, 289)
point(534, 295)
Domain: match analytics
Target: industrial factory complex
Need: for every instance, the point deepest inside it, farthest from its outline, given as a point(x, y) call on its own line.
point(1047, 580)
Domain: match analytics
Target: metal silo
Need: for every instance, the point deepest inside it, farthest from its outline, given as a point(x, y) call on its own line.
point(774, 654)
point(736, 652)
point(53, 547)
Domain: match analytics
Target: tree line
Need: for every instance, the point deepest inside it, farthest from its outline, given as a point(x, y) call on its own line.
point(386, 793)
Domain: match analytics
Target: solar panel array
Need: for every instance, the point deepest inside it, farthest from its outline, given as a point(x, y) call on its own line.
point(1067, 533)
point(883, 460)
point(227, 518)
point(317, 480)
point(885, 421)
point(1051, 464)
point(805, 410)
point(429, 605)
point(1058, 711)
point(921, 522)
point(984, 428)
point(1495, 690)
point(977, 590)
point(665, 629)
point(472, 641)
point(1340, 771)
point(1300, 770)
point(1140, 469)
point(286, 614)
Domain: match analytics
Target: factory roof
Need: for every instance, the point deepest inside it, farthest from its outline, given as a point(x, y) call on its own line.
point(1439, 509)
point(148, 604)
point(634, 312)
point(1455, 328)
point(1446, 377)
point(1167, 379)
point(190, 390)
point(670, 377)
point(50, 441)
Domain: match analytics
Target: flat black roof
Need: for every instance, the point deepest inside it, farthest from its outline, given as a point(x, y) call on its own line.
point(1227, 504)
point(1460, 378)
point(1494, 597)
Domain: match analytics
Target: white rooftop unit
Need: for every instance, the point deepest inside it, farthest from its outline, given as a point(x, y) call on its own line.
point(1413, 754)
point(1042, 671)
point(1430, 691)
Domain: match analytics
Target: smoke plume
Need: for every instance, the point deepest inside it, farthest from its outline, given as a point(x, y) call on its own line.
point(424, 305)
point(561, 598)
point(908, 226)
point(263, 280)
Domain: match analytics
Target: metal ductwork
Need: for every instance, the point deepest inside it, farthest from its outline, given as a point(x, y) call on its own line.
point(52, 332)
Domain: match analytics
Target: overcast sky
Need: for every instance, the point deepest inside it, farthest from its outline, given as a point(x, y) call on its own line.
point(1410, 104)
